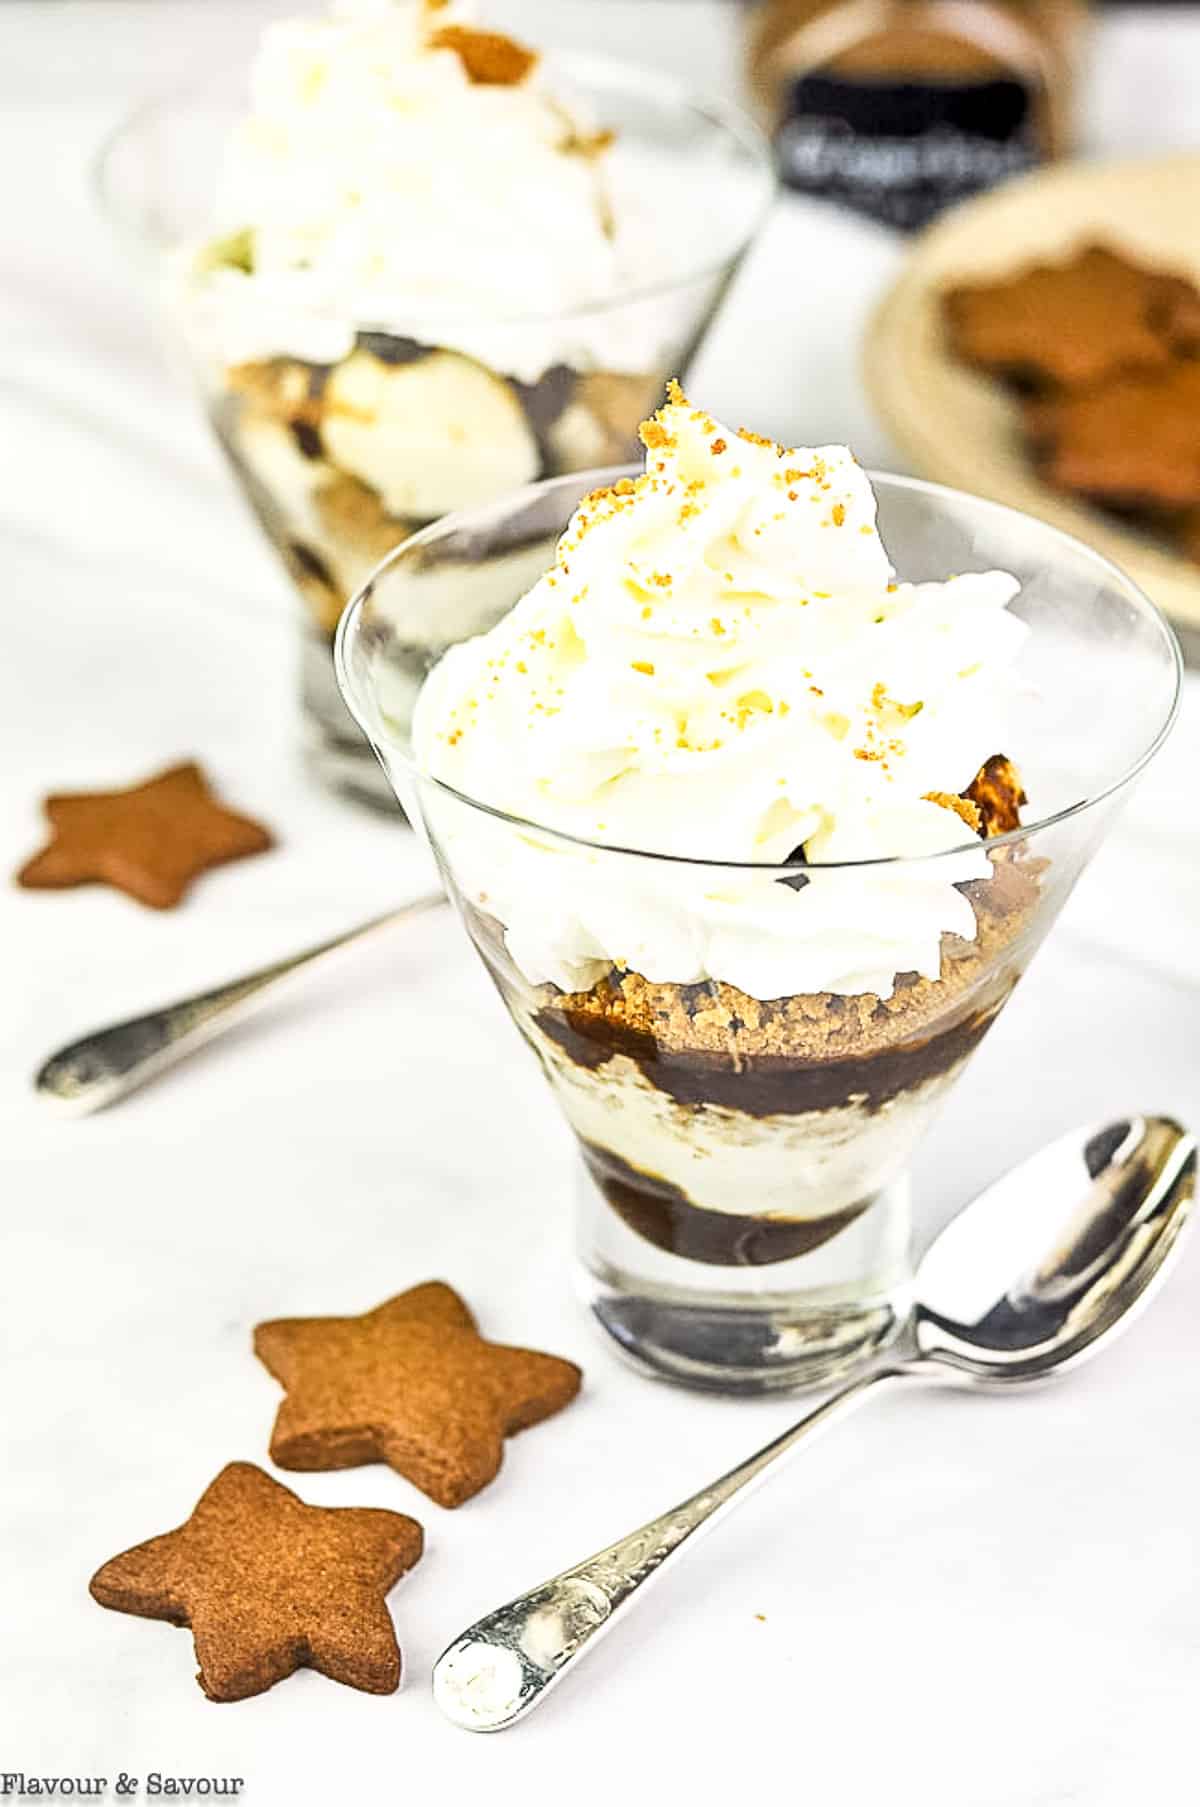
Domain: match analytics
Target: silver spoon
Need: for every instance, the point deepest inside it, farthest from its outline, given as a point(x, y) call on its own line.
point(1030, 1277)
point(109, 1063)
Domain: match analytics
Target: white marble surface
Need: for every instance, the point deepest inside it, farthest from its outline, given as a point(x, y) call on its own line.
point(995, 1603)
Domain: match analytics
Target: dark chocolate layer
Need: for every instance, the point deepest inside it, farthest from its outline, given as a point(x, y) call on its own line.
point(767, 1085)
point(392, 348)
point(661, 1213)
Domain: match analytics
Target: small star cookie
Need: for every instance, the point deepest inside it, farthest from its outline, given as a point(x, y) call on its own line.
point(412, 1384)
point(269, 1585)
point(150, 841)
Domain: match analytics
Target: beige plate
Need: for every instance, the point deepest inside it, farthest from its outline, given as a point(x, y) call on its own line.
point(963, 429)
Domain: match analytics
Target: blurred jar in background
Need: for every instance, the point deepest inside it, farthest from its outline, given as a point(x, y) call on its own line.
point(899, 108)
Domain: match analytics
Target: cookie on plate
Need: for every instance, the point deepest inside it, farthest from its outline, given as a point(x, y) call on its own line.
point(1135, 443)
point(1076, 323)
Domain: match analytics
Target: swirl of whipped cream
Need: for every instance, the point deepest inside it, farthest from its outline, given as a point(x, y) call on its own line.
point(720, 667)
point(402, 169)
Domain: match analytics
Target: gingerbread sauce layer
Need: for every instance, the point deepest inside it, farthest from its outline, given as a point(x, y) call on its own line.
point(663, 1215)
point(767, 1085)
point(710, 1044)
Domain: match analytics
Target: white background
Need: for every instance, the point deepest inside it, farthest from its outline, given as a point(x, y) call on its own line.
point(990, 1602)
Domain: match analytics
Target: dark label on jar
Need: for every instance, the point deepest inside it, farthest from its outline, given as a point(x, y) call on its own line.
point(903, 151)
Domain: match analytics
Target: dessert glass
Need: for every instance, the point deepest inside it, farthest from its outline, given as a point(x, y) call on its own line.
point(341, 462)
point(744, 1215)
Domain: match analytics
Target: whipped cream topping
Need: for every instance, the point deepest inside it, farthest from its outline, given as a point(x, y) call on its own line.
point(720, 667)
point(402, 169)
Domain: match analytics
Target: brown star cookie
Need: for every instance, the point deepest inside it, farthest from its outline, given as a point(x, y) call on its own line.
point(270, 1585)
point(150, 841)
point(1133, 443)
point(411, 1383)
point(1074, 323)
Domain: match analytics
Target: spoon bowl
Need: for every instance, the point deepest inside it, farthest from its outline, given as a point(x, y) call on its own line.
point(1056, 1254)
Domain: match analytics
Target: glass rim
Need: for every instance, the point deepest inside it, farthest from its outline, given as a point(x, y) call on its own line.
point(1014, 837)
point(725, 115)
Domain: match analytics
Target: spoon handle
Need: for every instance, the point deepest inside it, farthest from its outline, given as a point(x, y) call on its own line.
point(108, 1064)
point(498, 1669)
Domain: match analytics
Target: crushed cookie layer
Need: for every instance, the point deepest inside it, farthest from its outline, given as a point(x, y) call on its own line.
point(713, 1044)
point(628, 1014)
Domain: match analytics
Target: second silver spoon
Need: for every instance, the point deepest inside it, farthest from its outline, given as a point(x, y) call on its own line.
point(109, 1063)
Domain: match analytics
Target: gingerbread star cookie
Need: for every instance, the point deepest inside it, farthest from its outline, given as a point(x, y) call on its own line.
point(1134, 443)
point(1075, 323)
point(150, 841)
point(412, 1384)
point(270, 1585)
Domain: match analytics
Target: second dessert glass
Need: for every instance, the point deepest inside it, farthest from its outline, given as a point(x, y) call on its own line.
point(340, 462)
point(744, 1212)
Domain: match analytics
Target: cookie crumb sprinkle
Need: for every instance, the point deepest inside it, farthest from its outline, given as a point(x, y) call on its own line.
point(491, 59)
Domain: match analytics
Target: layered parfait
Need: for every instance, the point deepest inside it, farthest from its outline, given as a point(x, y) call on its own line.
point(432, 276)
point(741, 869)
